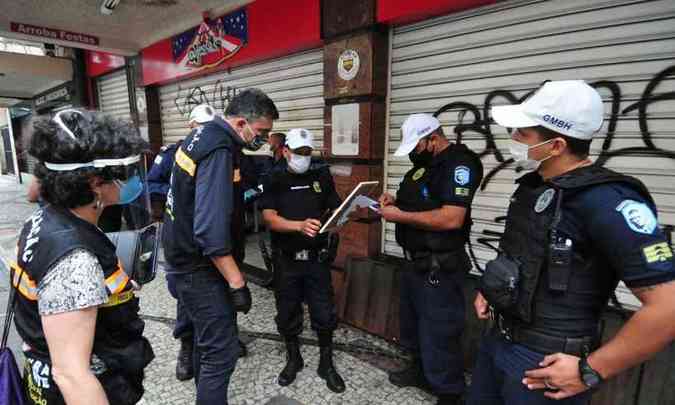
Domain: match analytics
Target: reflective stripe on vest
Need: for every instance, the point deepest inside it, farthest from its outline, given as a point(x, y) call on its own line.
point(27, 288)
point(118, 299)
point(117, 281)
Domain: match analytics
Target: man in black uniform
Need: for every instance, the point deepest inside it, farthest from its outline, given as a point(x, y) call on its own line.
point(573, 231)
point(293, 203)
point(198, 243)
point(432, 212)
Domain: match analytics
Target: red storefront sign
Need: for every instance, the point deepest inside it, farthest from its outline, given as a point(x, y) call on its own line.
point(273, 29)
point(99, 63)
point(54, 34)
point(407, 11)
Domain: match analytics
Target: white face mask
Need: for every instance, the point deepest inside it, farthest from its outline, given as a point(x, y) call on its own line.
point(520, 153)
point(299, 164)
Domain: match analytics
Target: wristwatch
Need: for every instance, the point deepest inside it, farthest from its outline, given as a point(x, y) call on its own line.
point(590, 377)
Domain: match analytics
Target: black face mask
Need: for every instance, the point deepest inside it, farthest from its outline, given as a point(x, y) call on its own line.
point(421, 158)
point(256, 143)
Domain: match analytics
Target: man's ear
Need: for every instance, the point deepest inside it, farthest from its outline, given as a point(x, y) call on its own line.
point(95, 182)
point(240, 123)
point(559, 146)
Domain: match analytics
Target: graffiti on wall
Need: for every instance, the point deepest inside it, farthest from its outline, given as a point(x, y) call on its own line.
point(481, 125)
point(218, 97)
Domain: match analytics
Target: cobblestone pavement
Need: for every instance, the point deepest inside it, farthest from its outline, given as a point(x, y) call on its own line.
point(254, 381)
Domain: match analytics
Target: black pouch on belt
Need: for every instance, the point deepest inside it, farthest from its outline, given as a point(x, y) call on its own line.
point(499, 284)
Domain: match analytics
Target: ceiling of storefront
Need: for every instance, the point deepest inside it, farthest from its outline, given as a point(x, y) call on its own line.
point(133, 25)
point(24, 76)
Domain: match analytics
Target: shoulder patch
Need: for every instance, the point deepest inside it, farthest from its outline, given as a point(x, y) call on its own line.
point(462, 192)
point(638, 216)
point(544, 200)
point(462, 175)
point(418, 174)
point(657, 252)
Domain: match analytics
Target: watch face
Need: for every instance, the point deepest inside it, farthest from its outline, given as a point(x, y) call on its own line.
point(590, 379)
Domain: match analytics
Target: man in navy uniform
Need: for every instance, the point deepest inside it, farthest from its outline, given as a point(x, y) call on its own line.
point(432, 213)
point(294, 202)
point(573, 231)
point(158, 185)
point(199, 244)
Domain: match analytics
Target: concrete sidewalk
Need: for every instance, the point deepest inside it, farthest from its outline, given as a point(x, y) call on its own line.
point(362, 359)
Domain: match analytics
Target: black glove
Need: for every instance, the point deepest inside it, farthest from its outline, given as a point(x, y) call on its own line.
point(241, 299)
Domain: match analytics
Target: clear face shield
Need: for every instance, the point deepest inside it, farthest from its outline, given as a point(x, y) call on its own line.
point(128, 223)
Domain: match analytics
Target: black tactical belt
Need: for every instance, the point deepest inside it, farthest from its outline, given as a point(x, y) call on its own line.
point(541, 342)
point(304, 255)
point(412, 256)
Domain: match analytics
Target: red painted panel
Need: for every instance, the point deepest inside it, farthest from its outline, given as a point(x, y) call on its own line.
point(273, 31)
point(407, 11)
point(99, 63)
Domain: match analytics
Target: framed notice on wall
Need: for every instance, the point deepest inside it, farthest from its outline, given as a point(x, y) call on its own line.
point(345, 130)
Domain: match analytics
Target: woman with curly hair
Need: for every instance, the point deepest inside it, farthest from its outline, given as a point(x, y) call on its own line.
point(75, 308)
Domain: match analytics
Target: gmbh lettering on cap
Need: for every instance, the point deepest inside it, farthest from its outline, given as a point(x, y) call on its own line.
point(560, 123)
point(568, 107)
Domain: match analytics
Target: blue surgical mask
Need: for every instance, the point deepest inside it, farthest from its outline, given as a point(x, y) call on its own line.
point(130, 190)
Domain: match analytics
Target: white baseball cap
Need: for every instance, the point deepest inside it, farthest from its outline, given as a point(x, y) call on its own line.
point(201, 114)
point(299, 137)
point(414, 128)
point(568, 107)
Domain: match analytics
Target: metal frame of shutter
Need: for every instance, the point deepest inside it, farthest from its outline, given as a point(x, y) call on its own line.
point(515, 46)
point(294, 83)
point(113, 94)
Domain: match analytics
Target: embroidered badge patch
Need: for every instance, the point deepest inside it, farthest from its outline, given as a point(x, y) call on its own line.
point(658, 252)
point(638, 216)
point(317, 186)
point(418, 174)
point(462, 175)
point(544, 200)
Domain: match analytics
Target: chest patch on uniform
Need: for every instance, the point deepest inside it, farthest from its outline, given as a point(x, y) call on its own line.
point(317, 187)
point(462, 175)
point(418, 174)
point(657, 252)
point(544, 200)
point(638, 216)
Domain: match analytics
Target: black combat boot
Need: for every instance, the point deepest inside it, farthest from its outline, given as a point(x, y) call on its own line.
point(184, 365)
point(449, 399)
point(326, 368)
point(294, 362)
point(411, 376)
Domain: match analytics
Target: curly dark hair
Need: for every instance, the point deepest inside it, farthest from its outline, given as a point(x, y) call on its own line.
point(97, 136)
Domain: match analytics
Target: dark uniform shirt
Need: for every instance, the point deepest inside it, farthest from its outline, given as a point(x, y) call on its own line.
point(614, 236)
point(452, 178)
point(200, 203)
point(615, 224)
point(297, 197)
